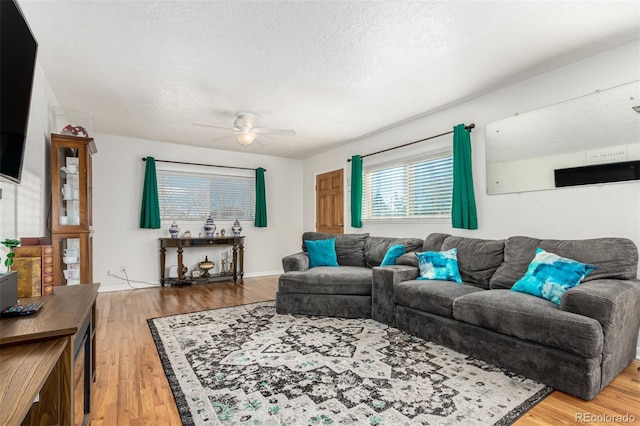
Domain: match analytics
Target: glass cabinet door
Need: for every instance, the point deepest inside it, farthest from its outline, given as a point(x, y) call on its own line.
point(70, 265)
point(69, 197)
point(69, 200)
point(71, 183)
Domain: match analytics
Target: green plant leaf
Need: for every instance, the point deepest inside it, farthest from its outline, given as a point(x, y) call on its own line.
point(10, 243)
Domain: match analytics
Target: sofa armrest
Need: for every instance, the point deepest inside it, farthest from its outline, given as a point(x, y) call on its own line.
point(383, 305)
point(296, 262)
point(616, 305)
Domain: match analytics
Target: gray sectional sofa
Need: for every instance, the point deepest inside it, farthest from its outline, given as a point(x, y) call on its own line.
point(343, 291)
point(578, 347)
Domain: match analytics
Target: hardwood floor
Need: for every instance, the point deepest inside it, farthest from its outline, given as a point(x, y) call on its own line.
point(131, 388)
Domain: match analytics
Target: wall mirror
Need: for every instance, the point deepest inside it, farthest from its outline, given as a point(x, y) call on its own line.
point(523, 152)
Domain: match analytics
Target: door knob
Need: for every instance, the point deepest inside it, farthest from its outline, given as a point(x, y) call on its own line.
point(341, 225)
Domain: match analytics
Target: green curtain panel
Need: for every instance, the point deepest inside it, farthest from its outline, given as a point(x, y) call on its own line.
point(150, 212)
point(261, 200)
point(356, 191)
point(463, 205)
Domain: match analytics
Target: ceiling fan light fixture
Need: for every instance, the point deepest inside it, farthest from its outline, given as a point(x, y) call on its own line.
point(245, 137)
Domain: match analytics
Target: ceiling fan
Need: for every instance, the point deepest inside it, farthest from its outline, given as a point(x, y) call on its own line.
point(245, 131)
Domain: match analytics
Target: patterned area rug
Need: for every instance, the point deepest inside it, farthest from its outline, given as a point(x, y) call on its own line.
point(247, 365)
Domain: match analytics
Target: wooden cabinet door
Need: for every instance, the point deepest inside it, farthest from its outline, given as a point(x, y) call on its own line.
point(330, 202)
point(71, 183)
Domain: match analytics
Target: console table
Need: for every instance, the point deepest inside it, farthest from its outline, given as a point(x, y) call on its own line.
point(182, 243)
point(55, 347)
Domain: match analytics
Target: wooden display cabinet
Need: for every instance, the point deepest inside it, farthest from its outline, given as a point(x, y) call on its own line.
point(71, 208)
point(72, 252)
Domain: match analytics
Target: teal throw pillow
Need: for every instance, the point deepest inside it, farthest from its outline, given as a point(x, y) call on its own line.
point(549, 276)
point(442, 265)
point(394, 252)
point(322, 252)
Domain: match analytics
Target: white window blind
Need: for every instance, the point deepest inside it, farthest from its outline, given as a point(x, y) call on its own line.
point(192, 196)
point(410, 189)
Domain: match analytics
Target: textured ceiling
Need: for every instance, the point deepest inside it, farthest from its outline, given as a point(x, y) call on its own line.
point(333, 71)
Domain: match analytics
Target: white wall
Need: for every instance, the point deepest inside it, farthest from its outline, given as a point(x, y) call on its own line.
point(24, 206)
point(567, 213)
point(118, 176)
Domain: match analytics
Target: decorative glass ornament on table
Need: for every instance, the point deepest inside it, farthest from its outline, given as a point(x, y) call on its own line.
point(74, 130)
point(236, 228)
point(174, 230)
point(209, 227)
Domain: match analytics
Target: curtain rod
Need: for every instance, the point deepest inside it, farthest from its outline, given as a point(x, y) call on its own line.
point(469, 127)
point(200, 164)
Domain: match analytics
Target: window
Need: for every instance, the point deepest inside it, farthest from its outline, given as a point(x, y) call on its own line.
point(409, 189)
point(191, 196)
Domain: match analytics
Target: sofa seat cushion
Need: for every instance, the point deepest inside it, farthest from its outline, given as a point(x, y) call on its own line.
point(530, 318)
point(353, 280)
point(431, 296)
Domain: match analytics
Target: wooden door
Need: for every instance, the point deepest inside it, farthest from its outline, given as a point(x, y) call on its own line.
point(330, 202)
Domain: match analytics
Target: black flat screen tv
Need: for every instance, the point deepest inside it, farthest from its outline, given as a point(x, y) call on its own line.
point(599, 173)
point(18, 49)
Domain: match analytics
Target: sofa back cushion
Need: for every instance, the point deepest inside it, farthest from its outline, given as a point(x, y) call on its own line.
point(478, 259)
point(433, 242)
point(376, 247)
point(615, 258)
point(349, 247)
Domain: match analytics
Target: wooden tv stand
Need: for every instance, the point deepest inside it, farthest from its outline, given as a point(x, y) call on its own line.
point(43, 355)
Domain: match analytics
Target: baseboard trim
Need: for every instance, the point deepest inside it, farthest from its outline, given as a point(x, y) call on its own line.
point(117, 287)
point(264, 273)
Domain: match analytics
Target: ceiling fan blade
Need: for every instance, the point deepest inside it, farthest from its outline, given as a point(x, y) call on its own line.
point(263, 140)
point(221, 139)
point(216, 126)
point(288, 132)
